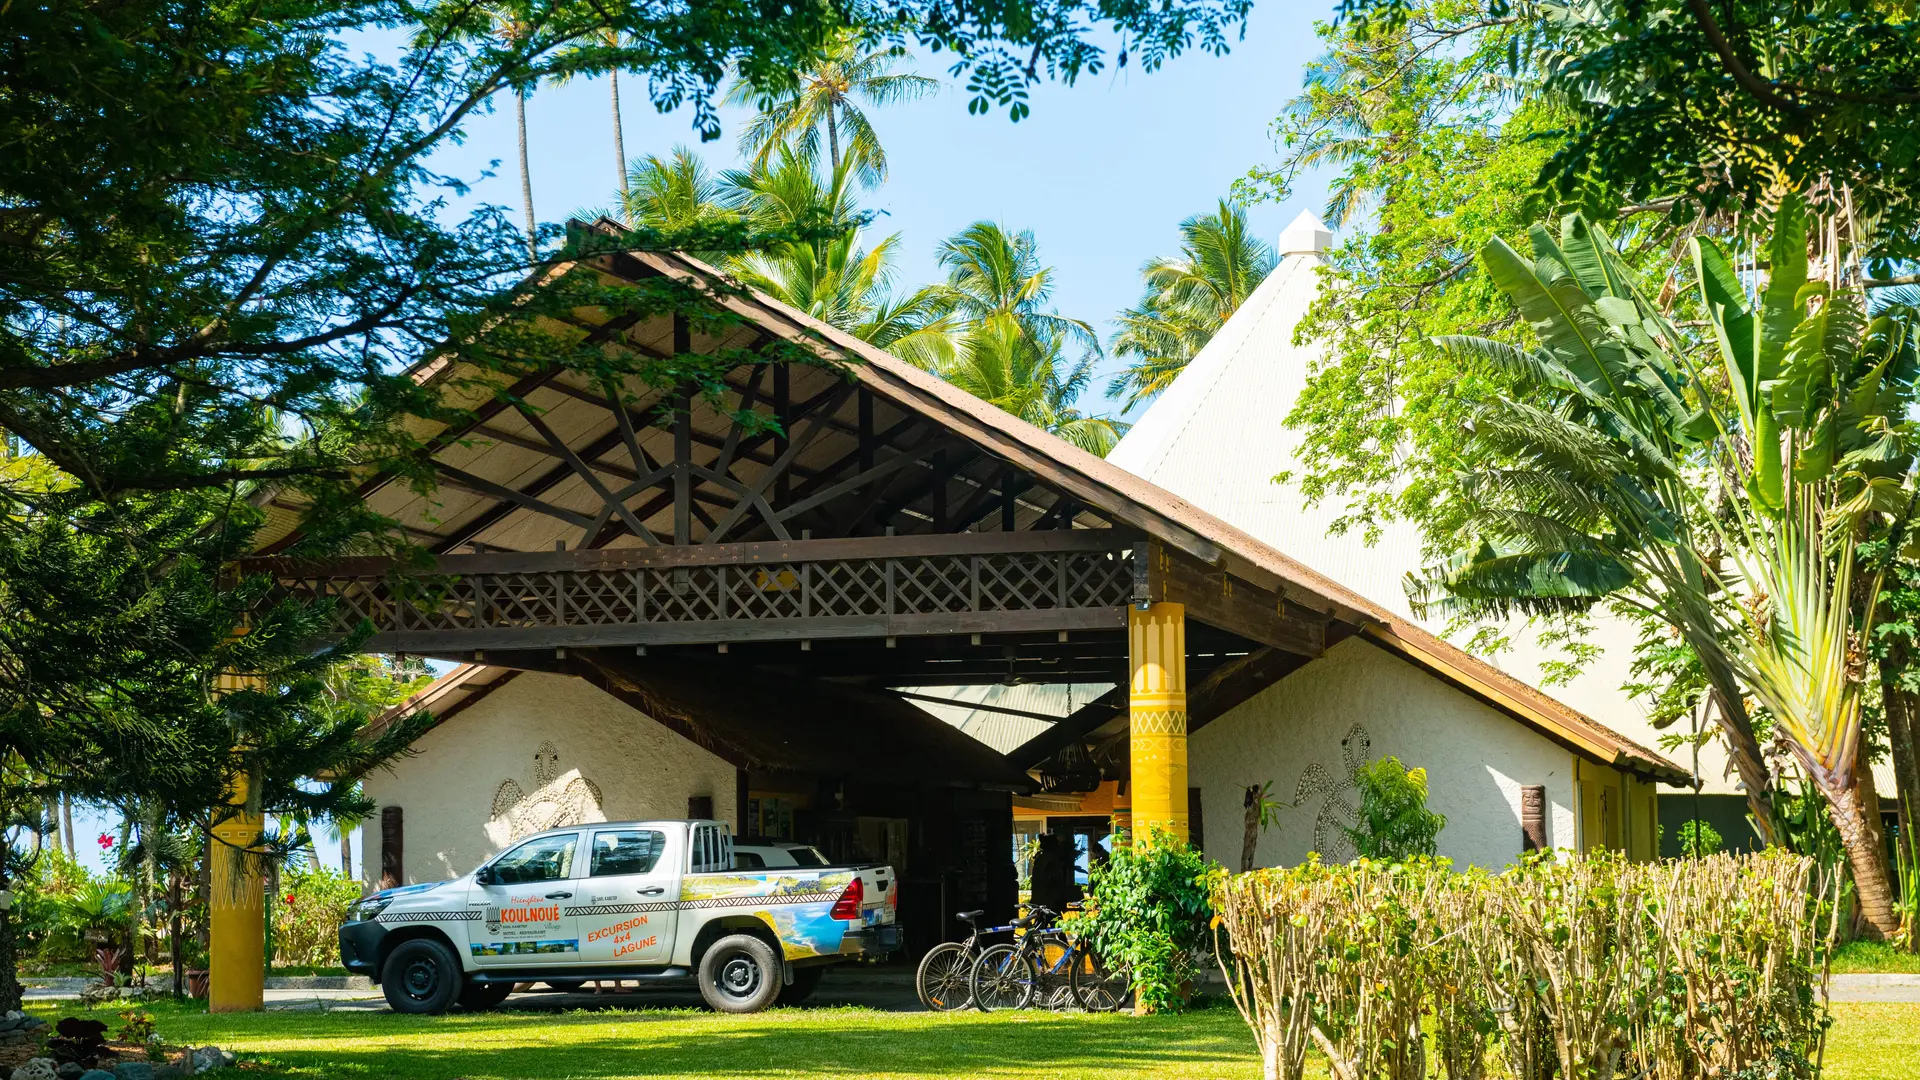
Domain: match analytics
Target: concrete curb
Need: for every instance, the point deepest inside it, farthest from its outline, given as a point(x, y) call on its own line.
point(74, 984)
point(1863, 980)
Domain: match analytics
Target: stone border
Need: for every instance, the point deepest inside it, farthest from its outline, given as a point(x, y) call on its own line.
point(75, 984)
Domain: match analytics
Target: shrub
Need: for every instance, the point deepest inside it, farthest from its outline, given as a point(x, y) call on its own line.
point(307, 915)
point(1699, 839)
point(1148, 912)
point(1394, 820)
point(1584, 968)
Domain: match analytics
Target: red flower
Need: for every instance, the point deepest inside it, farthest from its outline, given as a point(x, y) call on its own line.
point(106, 842)
point(289, 898)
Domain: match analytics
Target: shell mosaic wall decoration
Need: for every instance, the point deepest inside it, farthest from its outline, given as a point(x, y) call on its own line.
point(1337, 812)
point(556, 798)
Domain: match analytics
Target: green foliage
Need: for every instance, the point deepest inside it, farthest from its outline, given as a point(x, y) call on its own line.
point(101, 911)
point(307, 915)
point(1394, 820)
point(1148, 911)
point(136, 1027)
point(821, 102)
point(1698, 839)
point(1435, 143)
point(1584, 968)
point(1187, 298)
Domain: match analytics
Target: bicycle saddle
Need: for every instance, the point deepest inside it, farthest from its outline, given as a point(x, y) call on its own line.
point(971, 918)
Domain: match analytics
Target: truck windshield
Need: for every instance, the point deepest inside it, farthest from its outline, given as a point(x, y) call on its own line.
point(807, 856)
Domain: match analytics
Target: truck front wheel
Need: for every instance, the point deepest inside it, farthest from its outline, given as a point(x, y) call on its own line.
point(421, 976)
point(739, 974)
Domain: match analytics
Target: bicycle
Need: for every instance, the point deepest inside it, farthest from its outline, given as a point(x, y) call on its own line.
point(944, 980)
point(1050, 964)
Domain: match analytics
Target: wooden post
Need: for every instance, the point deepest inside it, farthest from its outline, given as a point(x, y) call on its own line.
point(1157, 717)
point(236, 913)
point(393, 841)
point(1533, 818)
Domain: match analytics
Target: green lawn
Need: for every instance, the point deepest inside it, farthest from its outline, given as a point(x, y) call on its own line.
point(1870, 1042)
point(1866, 956)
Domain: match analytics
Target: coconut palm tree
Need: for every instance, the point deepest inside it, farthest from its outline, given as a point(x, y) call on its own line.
point(824, 271)
point(673, 194)
point(1188, 297)
point(1729, 506)
point(1002, 362)
point(824, 101)
point(992, 271)
point(1010, 348)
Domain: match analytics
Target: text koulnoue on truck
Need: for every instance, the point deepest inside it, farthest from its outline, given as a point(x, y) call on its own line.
point(627, 900)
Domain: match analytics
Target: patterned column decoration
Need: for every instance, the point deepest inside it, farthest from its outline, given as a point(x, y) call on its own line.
point(1157, 717)
point(236, 914)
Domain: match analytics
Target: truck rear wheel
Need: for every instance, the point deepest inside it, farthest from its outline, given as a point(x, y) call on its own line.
point(421, 976)
point(805, 981)
point(739, 974)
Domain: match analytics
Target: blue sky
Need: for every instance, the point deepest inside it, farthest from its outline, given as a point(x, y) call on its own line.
point(1103, 172)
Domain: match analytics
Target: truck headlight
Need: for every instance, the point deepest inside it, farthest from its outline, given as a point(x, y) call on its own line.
point(368, 909)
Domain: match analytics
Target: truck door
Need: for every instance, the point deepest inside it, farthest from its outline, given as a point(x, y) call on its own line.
point(524, 900)
point(629, 893)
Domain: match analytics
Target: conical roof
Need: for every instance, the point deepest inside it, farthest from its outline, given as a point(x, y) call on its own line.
point(1218, 438)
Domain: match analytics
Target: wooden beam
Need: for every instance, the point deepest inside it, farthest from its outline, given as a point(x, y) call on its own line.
point(480, 485)
point(1236, 681)
point(682, 458)
point(713, 631)
point(610, 502)
point(834, 549)
point(1070, 729)
point(1221, 600)
point(492, 516)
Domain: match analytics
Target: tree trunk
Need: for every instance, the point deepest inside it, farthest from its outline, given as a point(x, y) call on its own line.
point(346, 851)
point(620, 149)
point(1743, 749)
point(1866, 859)
point(10, 992)
point(833, 139)
point(1251, 840)
point(526, 176)
point(175, 940)
point(1903, 733)
point(66, 824)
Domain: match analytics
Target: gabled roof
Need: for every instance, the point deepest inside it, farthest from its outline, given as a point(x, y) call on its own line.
point(1102, 492)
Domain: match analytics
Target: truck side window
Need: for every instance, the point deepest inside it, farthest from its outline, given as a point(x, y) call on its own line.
point(626, 851)
point(543, 858)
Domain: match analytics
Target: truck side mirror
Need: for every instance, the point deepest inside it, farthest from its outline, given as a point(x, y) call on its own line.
point(485, 876)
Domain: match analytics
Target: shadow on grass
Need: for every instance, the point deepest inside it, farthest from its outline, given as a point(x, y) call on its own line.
point(603, 1045)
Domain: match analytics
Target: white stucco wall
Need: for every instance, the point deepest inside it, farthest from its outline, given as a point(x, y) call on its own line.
point(447, 791)
point(1477, 759)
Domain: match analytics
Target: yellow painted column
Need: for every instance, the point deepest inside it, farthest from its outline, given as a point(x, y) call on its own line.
point(1157, 718)
point(236, 906)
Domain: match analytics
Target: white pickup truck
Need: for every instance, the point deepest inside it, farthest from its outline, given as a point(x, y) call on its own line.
point(620, 900)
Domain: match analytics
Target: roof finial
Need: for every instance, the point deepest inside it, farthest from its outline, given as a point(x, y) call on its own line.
point(1306, 236)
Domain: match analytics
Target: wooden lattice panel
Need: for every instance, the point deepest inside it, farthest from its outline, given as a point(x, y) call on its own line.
point(924, 585)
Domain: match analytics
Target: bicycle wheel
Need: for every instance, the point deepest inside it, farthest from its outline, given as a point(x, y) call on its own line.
point(1097, 986)
point(1054, 989)
point(945, 979)
point(1003, 978)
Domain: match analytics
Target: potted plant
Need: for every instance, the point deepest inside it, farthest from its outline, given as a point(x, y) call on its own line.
point(198, 977)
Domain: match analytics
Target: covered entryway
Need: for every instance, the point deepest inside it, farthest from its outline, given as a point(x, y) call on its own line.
point(768, 567)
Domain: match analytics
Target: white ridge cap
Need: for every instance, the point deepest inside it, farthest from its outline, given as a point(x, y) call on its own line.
point(1306, 235)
